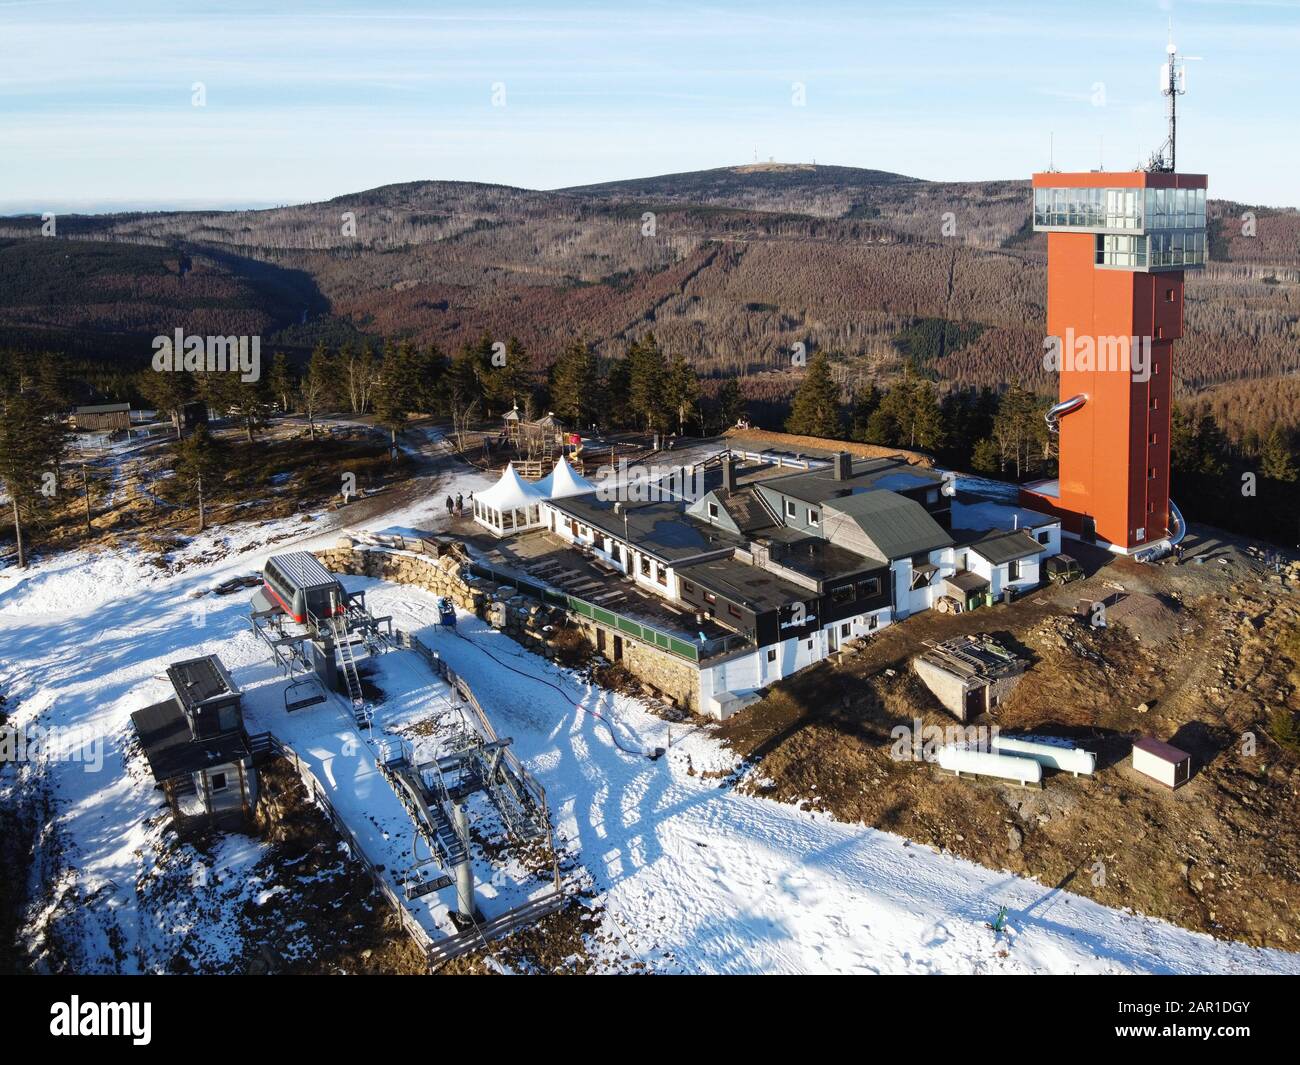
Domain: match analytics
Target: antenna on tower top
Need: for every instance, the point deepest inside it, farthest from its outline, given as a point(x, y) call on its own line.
point(1173, 84)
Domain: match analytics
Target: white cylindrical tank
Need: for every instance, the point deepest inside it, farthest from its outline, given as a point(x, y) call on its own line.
point(1052, 755)
point(990, 764)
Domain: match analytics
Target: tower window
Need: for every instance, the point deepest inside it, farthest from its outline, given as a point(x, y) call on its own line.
point(1154, 403)
point(1154, 438)
point(1151, 474)
point(1169, 295)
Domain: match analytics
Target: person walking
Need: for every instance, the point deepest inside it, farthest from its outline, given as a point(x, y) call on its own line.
point(451, 506)
point(460, 503)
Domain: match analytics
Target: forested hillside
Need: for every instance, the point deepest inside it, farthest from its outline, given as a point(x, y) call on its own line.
point(736, 270)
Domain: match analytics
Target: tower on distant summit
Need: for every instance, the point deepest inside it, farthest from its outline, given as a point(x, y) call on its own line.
point(1118, 246)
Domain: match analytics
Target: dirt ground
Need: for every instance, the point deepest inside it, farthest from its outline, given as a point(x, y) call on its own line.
point(1204, 655)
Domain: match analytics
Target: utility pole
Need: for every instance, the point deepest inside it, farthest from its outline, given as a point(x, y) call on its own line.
point(18, 535)
point(85, 488)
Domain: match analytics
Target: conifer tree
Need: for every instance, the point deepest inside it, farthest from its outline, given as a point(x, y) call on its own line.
point(816, 407)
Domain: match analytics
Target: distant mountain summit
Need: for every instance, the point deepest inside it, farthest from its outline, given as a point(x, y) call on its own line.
point(733, 181)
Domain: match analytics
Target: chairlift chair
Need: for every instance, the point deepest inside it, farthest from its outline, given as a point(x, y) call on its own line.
point(299, 694)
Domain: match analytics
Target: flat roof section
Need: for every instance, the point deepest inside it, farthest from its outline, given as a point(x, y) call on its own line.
point(660, 529)
point(198, 681)
point(821, 485)
point(1166, 752)
point(814, 557)
point(742, 583)
point(1119, 179)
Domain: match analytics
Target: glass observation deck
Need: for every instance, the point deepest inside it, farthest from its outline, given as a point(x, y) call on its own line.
point(1136, 228)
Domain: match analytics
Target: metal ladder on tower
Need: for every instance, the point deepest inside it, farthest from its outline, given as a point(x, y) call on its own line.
point(343, 641)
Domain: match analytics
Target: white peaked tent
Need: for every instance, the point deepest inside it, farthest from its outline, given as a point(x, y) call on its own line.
point(563, 482)
point(510, 505)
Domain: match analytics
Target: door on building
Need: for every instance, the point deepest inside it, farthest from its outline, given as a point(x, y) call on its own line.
point(618, 649)
point(1089, 532)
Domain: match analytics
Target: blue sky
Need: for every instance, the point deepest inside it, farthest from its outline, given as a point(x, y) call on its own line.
point(307, 101)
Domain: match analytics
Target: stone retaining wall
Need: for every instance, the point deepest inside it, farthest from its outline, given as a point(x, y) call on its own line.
point(523, 617)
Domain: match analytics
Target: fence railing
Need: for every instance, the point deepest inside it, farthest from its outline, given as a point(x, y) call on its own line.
point(621, 623)
point(320, 797)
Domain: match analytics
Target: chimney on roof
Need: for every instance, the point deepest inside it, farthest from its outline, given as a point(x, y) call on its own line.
point(843, 466)
point(728, 472)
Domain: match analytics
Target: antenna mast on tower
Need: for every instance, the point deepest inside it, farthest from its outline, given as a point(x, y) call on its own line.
point(1173, 84)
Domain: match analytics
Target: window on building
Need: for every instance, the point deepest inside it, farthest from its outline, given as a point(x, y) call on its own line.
point(842, 594)
point(873, 621)
point(868, 587)
point(1151, 474)
point(218, 782)
point(731, 609)
point(932, 496)
point(1013, 570)
point(845, 629)
point(1169, 295)
point(771, 654)
point(790, 509)
point(688, 588)
point(661, 575)
point(1154, 438)
point(810, 645)
point(814, 517)
point(709, 597)
point(645, 566)
point(713, 510)
point(1045, 537)
point(1153, 403)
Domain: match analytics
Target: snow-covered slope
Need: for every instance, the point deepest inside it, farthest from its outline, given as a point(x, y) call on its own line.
point(691, 876)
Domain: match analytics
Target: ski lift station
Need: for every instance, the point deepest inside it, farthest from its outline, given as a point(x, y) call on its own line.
point(336, 629)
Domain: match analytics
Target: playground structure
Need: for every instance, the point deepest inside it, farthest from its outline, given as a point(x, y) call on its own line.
point(536, 443)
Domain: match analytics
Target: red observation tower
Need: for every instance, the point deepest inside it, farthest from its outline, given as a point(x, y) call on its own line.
point(1118, 247)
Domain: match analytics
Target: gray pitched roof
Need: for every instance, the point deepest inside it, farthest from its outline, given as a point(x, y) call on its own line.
point(898, 526)
point(1006, 545)
point(745, 510)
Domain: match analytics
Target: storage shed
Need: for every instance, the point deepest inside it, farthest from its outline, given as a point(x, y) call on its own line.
point(1162, 761)
point(103, 417)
